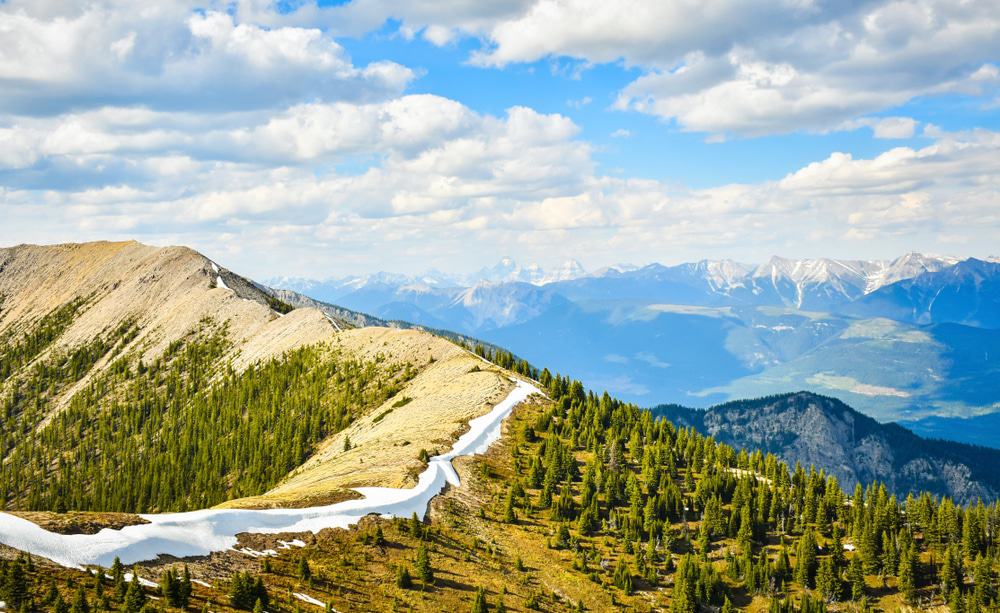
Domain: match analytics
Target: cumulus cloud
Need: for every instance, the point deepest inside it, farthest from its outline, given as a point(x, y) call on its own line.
point(746, 67)
point(253, 130)
point(442, 177)
point(60, 56)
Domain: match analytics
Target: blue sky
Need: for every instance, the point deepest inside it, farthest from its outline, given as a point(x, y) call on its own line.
point(370, 135)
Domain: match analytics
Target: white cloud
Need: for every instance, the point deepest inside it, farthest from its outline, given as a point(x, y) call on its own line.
point(443, 178)
point(621, 133)
point(57, 56)
point(256, 132)
point(886, 127)
point(748, 67)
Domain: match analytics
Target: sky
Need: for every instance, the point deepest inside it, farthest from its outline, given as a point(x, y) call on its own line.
point(319, 140)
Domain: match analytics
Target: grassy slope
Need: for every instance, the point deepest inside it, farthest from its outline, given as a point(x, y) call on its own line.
point(469, 549)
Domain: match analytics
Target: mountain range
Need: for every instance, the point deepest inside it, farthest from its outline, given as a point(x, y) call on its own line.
point(905, 339)
point(242, 445)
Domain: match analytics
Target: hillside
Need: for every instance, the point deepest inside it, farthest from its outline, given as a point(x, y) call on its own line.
point(560, 500)
point(587, 503)
point(812, 430)
point(137, 378)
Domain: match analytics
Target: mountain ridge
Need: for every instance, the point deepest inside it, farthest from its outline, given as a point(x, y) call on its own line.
point(814, 430)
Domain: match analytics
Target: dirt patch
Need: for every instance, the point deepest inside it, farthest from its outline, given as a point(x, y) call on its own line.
point(80, 522)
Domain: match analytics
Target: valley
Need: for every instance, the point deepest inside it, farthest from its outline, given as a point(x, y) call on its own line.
point(263, 454)
point(866, 332)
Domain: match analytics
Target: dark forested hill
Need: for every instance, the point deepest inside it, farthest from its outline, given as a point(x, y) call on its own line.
point(817, 430)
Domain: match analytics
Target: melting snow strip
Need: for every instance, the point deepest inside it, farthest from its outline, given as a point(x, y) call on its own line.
point(143, 582)
point(309, 599)
point(202, 583)
point(198, 533)
point(220, 283)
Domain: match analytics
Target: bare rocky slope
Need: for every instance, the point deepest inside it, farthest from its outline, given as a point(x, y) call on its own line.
point(149, 300)
point(810, 429)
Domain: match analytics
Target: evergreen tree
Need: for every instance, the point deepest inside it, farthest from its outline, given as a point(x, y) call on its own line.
point(423, 566)
point(184, 589)
point(828, 581)
point(623, 577)
point(805, 559)
point(745, 535)
point(80, 603)
point(403, 579)
point(14, 585)
point(135, 597)
point(856, 576)
point(246, 591)
point(509, 515)
point(982, 591)
point(949, 573)
point(479, 603)
point(305, 572)
point(907, 575)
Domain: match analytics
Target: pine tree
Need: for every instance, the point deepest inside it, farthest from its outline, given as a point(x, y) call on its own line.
point(907, 572)
point(623, 576)
point(118, 577)
point(827, 581)
point(509, 515)
point(949, 574)
point(50, 594)
point(805, 560)
point(684, 598)
point(423, 566)
point(856, 575)
point(184, 589)
point(403, 579)
point(479, 603)
point(982, 591)
point(60, 605)
point(305, 572)
point(135, 597)
point(744, 537)
point(80, 604)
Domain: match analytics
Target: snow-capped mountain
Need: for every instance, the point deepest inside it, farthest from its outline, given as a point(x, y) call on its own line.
point(508, 270)
point(821, 284)
point(501, 294)
point(967, 293)
point(882, 334)
point(907, 267)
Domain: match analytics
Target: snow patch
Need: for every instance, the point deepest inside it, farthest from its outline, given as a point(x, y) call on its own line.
point(309, 599)
point(291, 543)
point(201, 583)
point(142, 581)
point(253, 553)
point(220, 283)
point(198, 533)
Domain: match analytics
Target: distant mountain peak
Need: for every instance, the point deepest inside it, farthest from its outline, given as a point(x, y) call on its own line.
point(508, 270)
